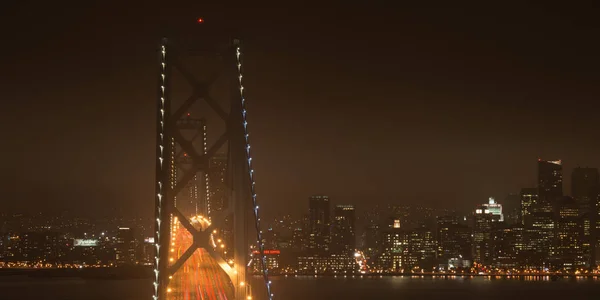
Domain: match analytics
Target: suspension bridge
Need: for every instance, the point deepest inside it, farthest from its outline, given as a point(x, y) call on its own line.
point(207, 215)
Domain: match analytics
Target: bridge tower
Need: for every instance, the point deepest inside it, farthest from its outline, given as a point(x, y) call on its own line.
point(171, 178)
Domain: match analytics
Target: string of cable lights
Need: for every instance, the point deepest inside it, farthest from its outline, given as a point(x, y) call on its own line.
point(160, 152)
point(207, 207)
point(252, 180)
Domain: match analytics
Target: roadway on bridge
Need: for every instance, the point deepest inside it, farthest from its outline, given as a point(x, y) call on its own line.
point(200, 277)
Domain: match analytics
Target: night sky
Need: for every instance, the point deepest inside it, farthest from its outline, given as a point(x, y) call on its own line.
point(436, 105)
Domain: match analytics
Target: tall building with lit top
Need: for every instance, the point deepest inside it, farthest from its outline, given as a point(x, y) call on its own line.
point(550, 192)
point(394, 243)
point(494, 208)
point(550, 183)
point(482, 235)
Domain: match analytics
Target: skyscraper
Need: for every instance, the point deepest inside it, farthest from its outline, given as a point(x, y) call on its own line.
point(372, 240)
point(529, 197)
point(512, 208)
point(217, 188)
point(318, 222)
point(569, 231)
point(343, 240)
point(584, 186)
point(420, 253)
point(544, 213)
point(585, 189)
point(454, 242)
point(125, 248)
point(549, 183)
point(495, 209)
point(482, 235)
point(394, 243)
point(506, 240)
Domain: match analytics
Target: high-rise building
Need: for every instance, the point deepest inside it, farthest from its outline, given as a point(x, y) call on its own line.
point(549, 183)
point(584, 186)
point(494, 208)
point(407, 250)
point(569, 233)
point(420, 254)
point(482, 235)
point(506, 243)
point(298, 239)
point(318, 223)
point(522, 246)
point(512, 209)
point(550, 192)
point(217, 188)
point(394, 243)
point(585, 189)
point(343, 239)
point(529, 197)
point(453, 242)
point(371, 240)
point(125, 248)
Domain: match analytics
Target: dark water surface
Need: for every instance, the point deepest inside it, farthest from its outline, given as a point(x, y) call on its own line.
point(309, 288)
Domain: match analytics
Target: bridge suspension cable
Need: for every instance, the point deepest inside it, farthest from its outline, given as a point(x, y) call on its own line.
point(259, 241)
point(160, 184)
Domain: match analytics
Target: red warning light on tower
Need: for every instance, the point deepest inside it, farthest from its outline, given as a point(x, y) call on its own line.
point(200, 20)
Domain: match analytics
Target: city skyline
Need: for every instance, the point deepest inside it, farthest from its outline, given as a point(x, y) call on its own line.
point(541, 232)
point(428, 94)
point(211, 150)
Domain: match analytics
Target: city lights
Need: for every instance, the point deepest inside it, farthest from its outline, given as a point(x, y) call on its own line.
point(407, 199)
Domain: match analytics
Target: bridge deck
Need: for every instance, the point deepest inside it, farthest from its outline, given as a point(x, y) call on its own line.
point(200, 277)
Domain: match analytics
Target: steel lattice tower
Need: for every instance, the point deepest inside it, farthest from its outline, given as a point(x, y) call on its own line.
point(240, 178)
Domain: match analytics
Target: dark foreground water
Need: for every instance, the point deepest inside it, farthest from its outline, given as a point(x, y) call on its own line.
point(309, 288)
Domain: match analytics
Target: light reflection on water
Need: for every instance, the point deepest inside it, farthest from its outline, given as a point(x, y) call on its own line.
point(425, 287)
point(311, 288)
